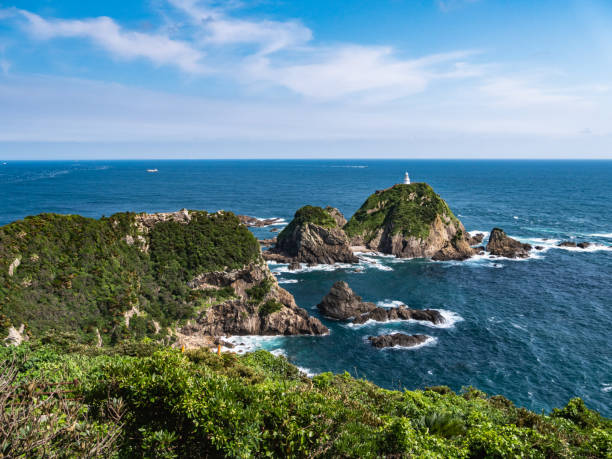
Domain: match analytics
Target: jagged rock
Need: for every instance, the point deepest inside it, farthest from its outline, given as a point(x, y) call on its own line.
point(397, 339)
point(343, 304)
point(336, 215)
point(583, 245)
point(503, 246)
point(313, 237)
point(566, 244)
point(476, 239)
point(409, 221)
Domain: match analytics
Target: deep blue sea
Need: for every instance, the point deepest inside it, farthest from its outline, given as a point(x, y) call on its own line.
point(538, 331)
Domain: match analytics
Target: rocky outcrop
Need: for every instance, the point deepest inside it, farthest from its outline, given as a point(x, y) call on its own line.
point(580, 245)
point(397, 339)
point(259, 307)
point(267, 242)
point(13, 266)
point(476, 239)
point(409, 221)
point(16, 336)
point(337, 216)
point(313, 237)
point(502, 245)
point(342, 303)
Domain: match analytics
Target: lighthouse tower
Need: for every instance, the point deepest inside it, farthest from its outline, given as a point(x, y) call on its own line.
point(406, 179)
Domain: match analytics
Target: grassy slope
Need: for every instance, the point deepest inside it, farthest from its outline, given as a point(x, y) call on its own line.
point(198, 404)
point(394, 207)
point(78, 274)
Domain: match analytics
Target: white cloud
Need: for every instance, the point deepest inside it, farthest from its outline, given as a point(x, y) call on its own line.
point(220, 29)
point(159, 49)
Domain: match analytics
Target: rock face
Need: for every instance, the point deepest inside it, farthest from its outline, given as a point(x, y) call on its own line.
point(476, 239)
point(313, 237)
point(580, 245)
point(503, 246)
point(397, 339)
point(342, 303)
point(409, 221)
point(259, 306)
point(336, 215)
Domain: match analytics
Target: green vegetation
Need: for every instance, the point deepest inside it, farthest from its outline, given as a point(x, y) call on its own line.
point(409, 209)
point(258, 292)
point(81, 274)
point(197, 404)
point(270, 307)
point(308, 214)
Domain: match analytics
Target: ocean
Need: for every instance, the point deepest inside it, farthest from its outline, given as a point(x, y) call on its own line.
point(537, 331)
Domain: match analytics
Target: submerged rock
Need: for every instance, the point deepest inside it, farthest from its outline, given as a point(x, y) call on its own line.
point(397, 339)
point(342, 303)
point(314, 237)
point(409, 221)
point(501, 245)
point(566, 244)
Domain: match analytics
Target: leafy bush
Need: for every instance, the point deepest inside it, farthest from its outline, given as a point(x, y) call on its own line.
point(258, 292)
point(270, 307)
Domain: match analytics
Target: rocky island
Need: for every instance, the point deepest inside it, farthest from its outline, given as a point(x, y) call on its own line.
point(341, 303)
point(397, 339)
point(182, 277)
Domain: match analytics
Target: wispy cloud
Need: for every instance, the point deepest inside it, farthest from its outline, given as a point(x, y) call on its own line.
point(516, 93)
point(106, 33)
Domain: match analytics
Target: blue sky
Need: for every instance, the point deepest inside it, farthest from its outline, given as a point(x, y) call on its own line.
point(303, 79)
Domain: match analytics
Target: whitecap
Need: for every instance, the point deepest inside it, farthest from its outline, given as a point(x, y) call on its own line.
point(450, 319)
point(351, 167)
point(279, 352)
point(248, 343)
point(606, 387)
point(308, 372)
point(515, 217)
point(390, 303)
point(606, 235)
point(473, 233)
point(288, 281)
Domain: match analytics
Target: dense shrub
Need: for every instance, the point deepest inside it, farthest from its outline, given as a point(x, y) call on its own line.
point(198, 404)
point(308, 214)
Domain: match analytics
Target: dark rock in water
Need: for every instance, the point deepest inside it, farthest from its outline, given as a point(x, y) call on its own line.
point(295, 265)
point(397, 339)
point(267, 242)
point(271, 255)
point(539, 247)
point(274, 230)
point(409, 221)
point(566, 244)
point(342, 303)
point(256, 222)
point(503, 246)
point(314, 237)
point(583, 245)
point(476, 239)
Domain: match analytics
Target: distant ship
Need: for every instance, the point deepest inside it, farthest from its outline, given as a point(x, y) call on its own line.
point(152, 170)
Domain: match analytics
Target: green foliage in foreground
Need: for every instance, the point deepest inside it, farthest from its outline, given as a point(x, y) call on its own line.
point(308, 214)
point(79, 274)
point(198, 404)
point(409, 209)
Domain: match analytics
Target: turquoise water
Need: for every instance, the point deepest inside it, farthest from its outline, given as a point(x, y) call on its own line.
point(536, 330)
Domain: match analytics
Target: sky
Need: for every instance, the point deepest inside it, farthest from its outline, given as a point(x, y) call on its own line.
point(305, 79)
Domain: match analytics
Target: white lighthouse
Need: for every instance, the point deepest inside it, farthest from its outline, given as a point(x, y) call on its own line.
point(406, 179)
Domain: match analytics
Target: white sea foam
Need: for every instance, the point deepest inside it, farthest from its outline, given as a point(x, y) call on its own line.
point(606, 387)
point(606, 235)
point(279, 268)
point(279, 352)
point(475, 232)
point(389, 303)
point(351, 167)
point(248, 343)
point(276, 221)
point(450, 319)
point(288, 281)
point(306, 371)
